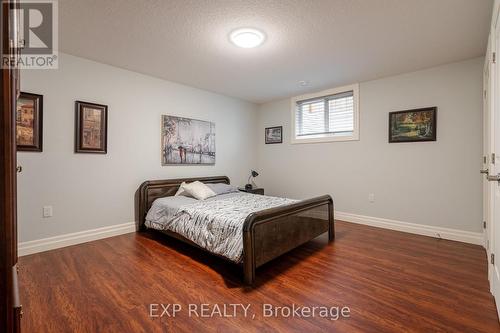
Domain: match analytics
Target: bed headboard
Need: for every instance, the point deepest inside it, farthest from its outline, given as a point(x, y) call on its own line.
point(151, 190)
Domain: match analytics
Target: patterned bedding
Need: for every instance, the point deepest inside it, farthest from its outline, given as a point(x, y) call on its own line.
point(216, 223)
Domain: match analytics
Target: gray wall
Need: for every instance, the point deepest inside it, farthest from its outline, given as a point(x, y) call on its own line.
point(433, 183)
point(90, 191)
point(430, 183)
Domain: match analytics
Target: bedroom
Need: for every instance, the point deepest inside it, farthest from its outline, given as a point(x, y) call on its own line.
point(360, 127)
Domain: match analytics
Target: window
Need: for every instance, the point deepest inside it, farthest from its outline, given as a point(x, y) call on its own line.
point(330, 115)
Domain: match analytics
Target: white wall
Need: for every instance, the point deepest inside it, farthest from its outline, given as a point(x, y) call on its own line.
point(90, 191)
point(431, 183)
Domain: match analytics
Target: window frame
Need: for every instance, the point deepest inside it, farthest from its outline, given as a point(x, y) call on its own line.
point(327, 137)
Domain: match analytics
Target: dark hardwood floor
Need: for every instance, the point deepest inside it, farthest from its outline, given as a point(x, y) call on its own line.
point(391, 281)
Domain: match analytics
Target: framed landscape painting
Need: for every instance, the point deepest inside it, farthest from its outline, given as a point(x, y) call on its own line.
point(29, 121)
point(187, 141)
point(274, 135)
point(413, 125)
point(91, 128)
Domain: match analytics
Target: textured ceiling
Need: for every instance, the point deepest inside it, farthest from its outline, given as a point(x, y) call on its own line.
point(325, 42)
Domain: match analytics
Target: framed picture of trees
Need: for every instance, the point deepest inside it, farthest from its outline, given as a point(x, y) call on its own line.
point(413, 125)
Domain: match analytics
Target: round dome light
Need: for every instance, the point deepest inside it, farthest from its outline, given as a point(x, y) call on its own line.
point(247, 38)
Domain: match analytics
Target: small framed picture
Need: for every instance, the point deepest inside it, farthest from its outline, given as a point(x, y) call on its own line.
point(413, 125)
point(91, 128)
point(274, 135)
point(29, 121)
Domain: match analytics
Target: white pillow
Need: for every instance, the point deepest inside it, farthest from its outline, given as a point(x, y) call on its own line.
point(181, 191)
point(198, 190)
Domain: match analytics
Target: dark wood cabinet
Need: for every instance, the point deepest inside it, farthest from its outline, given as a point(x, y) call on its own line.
point(255, 190)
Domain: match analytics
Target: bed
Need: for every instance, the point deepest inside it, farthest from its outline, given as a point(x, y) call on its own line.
point(265, 234)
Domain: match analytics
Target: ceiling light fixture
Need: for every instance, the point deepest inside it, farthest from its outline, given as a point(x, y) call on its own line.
point(247, 38)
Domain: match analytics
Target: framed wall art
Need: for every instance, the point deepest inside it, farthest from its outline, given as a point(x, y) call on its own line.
point(274, 135)
point(187, 141)
point(413, 125)
point(91, 128)
point(29, 122)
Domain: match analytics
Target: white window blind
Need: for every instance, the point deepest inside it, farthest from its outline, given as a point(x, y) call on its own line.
point(327, 115)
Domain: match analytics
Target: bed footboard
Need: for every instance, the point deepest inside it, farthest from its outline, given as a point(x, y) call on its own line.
point(272, 232)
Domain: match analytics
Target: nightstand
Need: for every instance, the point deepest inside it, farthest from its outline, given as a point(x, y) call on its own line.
point(254, 190)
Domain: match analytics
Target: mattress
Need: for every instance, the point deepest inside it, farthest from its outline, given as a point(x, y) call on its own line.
point(215, 224)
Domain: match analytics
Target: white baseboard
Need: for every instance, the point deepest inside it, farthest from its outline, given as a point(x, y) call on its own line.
point(45, 244)
point(413, 228)
point(74, 238)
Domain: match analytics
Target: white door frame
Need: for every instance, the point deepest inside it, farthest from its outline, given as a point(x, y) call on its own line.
point(486, 156)
point(493, 117)
point(486, 153)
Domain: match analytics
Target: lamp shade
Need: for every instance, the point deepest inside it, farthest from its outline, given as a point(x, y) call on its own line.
point(254, 173)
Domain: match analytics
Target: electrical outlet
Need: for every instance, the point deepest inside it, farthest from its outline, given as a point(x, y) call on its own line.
point(47, 211)
point(371, 197)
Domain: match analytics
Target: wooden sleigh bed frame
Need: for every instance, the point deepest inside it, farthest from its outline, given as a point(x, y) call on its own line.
point(267, 234)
